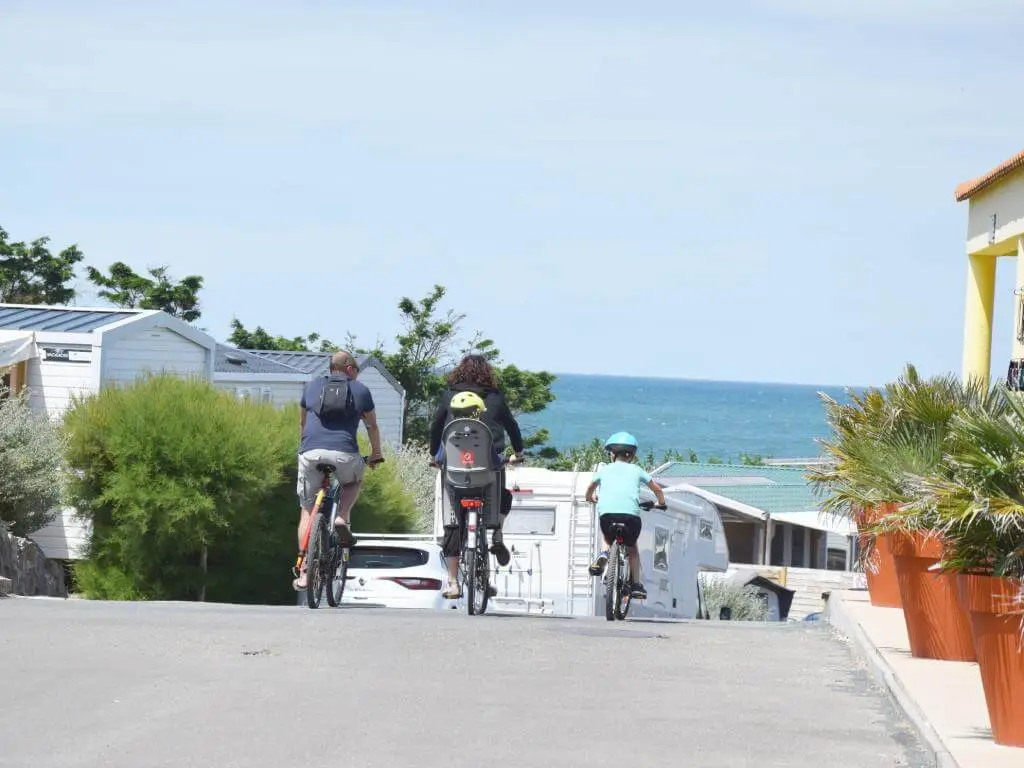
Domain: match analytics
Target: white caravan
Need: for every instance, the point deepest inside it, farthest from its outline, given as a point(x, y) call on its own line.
point(553, 536)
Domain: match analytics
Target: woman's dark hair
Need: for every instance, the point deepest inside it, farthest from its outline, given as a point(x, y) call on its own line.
point(474, 369)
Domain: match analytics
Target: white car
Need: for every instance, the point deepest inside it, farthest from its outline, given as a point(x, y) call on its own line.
point(396, 572)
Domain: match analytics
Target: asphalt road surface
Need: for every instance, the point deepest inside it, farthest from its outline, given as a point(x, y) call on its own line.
point(170, 684)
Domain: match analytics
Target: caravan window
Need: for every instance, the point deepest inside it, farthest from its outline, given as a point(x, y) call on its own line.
point(527, 521)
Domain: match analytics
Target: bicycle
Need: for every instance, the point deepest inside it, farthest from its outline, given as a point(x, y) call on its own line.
point(618, 592)
point(322, 547)
point(475, 559)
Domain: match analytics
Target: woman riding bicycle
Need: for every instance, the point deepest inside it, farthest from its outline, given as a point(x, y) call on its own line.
point(619, 502)
point(474, 375)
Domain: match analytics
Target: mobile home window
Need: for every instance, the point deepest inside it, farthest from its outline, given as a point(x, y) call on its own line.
point(836, 559)
point(527, 521)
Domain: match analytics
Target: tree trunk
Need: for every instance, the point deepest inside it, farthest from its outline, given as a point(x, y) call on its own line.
point(202, 566)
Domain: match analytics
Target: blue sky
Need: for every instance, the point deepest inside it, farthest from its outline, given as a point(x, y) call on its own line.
point(739, 190)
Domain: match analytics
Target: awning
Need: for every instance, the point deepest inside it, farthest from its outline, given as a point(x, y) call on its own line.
point(15, 347)
point(817, 520)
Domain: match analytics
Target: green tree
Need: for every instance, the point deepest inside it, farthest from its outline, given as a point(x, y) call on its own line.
point(259, 338)
point(427, 347)
point(124, 287)
point(31, 274)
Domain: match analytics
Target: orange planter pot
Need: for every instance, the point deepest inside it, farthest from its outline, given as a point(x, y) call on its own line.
point(996, 626)
point(883, 587)
point(937, 624)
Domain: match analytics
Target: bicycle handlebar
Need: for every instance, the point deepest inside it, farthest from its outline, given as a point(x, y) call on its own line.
point(648, 505)
point(366, 460)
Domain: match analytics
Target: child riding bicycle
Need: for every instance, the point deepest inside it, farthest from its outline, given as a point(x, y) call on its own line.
point(619, 502)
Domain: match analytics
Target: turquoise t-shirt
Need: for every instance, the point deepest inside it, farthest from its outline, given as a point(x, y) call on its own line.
point(619, 486)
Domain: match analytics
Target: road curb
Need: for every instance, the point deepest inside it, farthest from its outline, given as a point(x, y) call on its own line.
point(836, 615)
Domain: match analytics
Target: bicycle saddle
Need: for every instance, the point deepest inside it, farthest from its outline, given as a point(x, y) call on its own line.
point(326, 468)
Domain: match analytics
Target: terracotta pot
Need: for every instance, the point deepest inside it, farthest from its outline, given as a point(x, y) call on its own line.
point(937, 624)
point(883, 588)
point(996, 626)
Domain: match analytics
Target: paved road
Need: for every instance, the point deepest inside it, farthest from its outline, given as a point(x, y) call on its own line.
point(140, 685)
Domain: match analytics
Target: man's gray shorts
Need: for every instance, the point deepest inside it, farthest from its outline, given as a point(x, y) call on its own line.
point(349, 469)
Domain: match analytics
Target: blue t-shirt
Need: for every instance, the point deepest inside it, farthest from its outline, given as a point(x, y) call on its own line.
point(338, 433)
point(619, 486)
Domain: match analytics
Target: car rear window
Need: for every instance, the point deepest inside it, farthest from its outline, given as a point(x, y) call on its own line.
point(387, 557)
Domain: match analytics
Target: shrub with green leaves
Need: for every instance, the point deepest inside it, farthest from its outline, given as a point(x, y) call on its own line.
point(743, 600)
point(385, 505)
point(31, 456)
point(183, 486)
point(191, 494)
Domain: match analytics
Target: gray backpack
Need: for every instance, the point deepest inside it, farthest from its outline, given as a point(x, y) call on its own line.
point(336, 399)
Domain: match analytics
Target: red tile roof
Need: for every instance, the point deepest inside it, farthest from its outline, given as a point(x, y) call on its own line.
point(974, 186)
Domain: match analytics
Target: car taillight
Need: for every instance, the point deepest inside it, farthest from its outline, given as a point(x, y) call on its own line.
point(413, 582)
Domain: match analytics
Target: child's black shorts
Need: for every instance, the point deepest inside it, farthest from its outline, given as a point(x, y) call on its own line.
point(633, 525)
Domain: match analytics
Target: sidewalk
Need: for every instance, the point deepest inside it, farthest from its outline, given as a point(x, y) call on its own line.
point(944, 699)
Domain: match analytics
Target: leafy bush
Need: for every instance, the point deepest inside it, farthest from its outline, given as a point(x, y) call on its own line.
point(385, 505)
point(31, 455)
point(184, 488)
point(191, 494)
point(744, 600)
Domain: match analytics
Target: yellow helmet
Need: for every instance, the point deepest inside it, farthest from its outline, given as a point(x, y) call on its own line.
point(467, 405)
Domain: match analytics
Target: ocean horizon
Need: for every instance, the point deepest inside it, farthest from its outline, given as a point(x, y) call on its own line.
point(715, 419)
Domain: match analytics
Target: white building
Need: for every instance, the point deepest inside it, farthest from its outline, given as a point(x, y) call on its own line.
point(59, 352)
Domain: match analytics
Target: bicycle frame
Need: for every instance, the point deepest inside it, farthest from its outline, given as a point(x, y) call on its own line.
point(325, 490)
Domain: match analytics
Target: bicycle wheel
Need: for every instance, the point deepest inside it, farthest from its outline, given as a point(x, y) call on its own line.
point(315, 560)
point(474, 565)
point(339, 569)
point(480, 575)
point(337, 564)
point(611, 584)
point(625, 588)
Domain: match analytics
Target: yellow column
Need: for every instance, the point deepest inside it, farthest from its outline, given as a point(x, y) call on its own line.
point(1018, 299)
point(981, 289)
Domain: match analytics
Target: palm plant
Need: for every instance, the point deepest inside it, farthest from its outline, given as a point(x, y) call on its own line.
point(884, 445)
point(977, 502)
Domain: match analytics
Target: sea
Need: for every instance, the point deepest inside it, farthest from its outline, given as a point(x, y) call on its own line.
point(715, 419)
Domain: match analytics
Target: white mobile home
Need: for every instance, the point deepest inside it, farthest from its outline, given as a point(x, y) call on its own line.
point(553, 536)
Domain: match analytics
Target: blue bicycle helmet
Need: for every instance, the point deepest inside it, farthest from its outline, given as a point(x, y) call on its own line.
point(621, 441)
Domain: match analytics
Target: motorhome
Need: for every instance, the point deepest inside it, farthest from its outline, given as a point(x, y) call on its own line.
point(553, 535)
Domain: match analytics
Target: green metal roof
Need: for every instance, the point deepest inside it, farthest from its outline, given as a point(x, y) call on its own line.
point(768, 488)
point(699, 469)
point(769, 498)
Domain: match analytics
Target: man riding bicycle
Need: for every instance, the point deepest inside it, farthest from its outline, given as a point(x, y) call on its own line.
point(332, 407)
point(619, 502)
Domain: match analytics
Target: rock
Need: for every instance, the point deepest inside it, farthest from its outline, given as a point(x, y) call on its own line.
point(29, 571)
